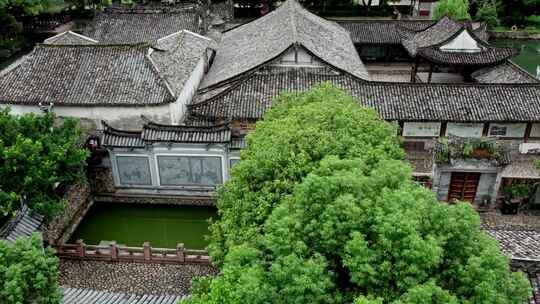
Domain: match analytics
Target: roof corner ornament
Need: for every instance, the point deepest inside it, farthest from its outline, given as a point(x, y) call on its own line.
point(46, 108)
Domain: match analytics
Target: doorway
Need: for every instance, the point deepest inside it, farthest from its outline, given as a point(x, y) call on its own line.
point(463, 186)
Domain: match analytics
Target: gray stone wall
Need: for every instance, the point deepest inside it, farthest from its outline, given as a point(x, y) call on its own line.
point(78, 198)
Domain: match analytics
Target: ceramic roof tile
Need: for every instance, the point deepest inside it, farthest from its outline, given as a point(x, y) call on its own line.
point(90, 75)
point(132, 26)
point(70, 38)
point(246, 47)
point(507, 72)
point(250, 97)
point(381, 31)
point(176, 56)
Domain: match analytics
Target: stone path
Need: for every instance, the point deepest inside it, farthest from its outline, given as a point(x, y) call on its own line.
point(132, 278)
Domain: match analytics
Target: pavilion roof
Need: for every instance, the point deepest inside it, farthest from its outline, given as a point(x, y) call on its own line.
point(438, 33)
point(486, 56)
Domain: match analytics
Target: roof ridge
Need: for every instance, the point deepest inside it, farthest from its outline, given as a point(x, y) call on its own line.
point(106, 45)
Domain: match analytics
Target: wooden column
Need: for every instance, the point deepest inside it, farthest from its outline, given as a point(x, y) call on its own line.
point(114, 251)
point(443, 129)
point(81, 249)
point(485, 131)
point(180, 252)
point(527, 132)
point(414, 70)
point(147, 251)
point(430, 72)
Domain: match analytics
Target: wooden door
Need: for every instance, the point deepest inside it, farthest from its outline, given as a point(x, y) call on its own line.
point(463, 186)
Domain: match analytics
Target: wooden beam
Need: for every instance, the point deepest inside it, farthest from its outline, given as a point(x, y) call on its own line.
point(485, 131)
point(527, 132)
point(443, 129)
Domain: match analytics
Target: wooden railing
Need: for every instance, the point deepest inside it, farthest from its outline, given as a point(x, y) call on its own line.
point(145, 254)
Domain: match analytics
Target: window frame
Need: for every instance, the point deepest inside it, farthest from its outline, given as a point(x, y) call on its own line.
point(158, 176)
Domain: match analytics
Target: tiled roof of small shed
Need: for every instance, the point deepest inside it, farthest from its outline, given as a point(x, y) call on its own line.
point(120, 138)
point(86, 75)
point(153, 132)
point(23, 225)
point(90, 296)
point(248, 46)
point(250, 97)
point(132, 26)
point(381, 31)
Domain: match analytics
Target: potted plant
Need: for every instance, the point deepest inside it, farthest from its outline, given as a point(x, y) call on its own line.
point(517, 192)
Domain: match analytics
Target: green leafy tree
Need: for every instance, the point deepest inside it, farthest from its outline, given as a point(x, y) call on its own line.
point(281, 155)
point(38, 153)
point(487, 12)
point(321, 209)
point(12, 11)
point(455, 9)
point(28, 273)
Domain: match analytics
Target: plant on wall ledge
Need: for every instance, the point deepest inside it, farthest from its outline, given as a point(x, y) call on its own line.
point(468, 148)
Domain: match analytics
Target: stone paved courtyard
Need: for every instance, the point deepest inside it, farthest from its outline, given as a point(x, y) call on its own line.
point(134, 278)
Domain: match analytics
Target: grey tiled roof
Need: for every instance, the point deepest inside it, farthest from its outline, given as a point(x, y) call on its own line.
point(153, 132)
point(90, 296)
point(522, 166)
point(438, 33)
point(250, 97)
point(487, 56)
point(255, 43)
point(23, 225)
point(381, 31)
point(70, 38)
point(177, 55)
point(131, 26)
point(90, 75)
point(120, 138)
point(507, 72)
point(521, 244)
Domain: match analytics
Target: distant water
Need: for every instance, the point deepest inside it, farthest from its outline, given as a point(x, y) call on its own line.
point(529, 58)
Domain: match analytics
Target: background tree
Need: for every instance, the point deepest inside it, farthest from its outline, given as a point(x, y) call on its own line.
point(455, 9)
point(487, 12)
point(28, 273)
point(321, 209)
point(36, 155)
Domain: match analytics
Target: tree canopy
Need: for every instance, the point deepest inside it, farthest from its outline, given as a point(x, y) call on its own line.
point(28, 273)
point(455, 9)
point(322, 209)
point(38, 153)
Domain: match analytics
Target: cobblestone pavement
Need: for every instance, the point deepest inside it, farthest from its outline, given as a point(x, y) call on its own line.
point(136, 278)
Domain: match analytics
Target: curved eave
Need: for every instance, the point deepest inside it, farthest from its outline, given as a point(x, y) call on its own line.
point(486, 57)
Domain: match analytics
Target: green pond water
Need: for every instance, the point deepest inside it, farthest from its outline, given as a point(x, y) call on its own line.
point(529, 58)
point(163, 226)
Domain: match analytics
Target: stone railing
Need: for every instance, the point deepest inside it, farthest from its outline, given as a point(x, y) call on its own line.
point(145, 254)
